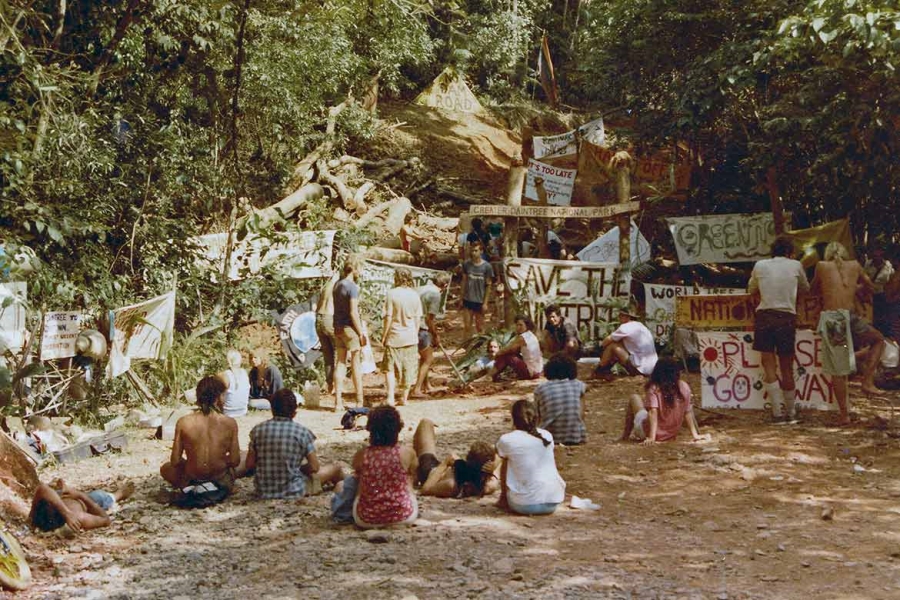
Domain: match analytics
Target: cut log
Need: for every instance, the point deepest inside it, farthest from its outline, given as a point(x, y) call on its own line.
point(343, 190)
point(460, 197)
point(393, 170)
point(432, 260)
point(359, 198)
point(303, 171)
point(373, 213)
point(284, 209)
point(442, 223)
point(336, 163)
point(397, 215)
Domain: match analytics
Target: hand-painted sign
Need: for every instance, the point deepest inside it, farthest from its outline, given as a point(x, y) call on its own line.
point(736, 311)
point(731, 374)
point(558, 182)
point(586, 293)
point(297, 331)
point(140, 331)
point(296, 254)
point(377, 278)
point(809, 241)
point(553, 212)
point(722, 238)
point(59, 334)
point(553, 146)
point(659, 303)
point(12, 315)
point(605, 249)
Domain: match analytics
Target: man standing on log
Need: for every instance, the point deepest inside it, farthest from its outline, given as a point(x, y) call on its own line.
point(776, 282)
point(348, 331)
point(839, 279)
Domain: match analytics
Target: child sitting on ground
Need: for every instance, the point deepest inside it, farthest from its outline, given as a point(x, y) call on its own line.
point(665, 408)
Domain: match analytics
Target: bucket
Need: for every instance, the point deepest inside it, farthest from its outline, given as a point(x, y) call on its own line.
point(311, 395)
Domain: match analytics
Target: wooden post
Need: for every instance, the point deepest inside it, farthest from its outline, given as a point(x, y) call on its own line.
point(775, 198)
point(543, 224)
point(621, 162)
point(514, 187)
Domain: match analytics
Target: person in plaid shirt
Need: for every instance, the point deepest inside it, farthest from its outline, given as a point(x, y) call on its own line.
point(277, 450)
point(559, 401)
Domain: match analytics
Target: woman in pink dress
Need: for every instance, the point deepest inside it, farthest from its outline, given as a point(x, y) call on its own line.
point(386, 471)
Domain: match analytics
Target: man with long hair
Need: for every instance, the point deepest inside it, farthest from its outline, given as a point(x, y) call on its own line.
point(402, 315)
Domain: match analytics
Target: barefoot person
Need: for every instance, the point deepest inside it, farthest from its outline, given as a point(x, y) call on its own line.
point(431, 295)
point(631, 345)
point(205, 448)
point(53, 507)
point(522, 353)
point(838, 279)
point(348, 331)
point(777, 281)
point(282, 454)
point(454, 477)
point(666, 406)
point(325, 329)
point(477, 275)
point(529, 481)
point(402, 315)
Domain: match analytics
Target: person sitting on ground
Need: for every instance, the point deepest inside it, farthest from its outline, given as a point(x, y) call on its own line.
point(483, 365)
point(665, 407)
point(559, 401)
point(278, 449)
point(529, 481)
point(385, 471)
point(431, 296)
point(522, 353)
point(237, 386)
point(631, 345)
point(559, 334)
point(454, 477)
point(53, 507)
point(265, 380)
point(205, 448)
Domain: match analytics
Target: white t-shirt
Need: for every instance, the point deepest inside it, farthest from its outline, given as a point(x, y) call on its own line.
point(638, 340)
point(531, 475)
point(531, 353)
point(403, 310)
point(778, 280)
point(237, 396)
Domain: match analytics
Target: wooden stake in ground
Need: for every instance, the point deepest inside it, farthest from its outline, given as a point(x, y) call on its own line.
point(622, 162)
point(514, 187)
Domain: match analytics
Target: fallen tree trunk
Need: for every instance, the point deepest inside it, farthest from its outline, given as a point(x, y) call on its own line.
point(433, 260)
point(393, 170)
point(443, 223)
point(396, 216)
point(368, 164)
point(460, 197)
point(304, 169)
point(283, 209)
point(359, 198)
point(346, 195)
point(373, 213)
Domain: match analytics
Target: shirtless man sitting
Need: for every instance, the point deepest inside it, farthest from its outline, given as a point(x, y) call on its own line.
point(53, 507)
point(839, 279)
point(205, 448)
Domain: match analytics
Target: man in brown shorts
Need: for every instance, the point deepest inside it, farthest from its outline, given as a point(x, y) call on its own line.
point(776, 282)
point(839, 279)
point(348, 332)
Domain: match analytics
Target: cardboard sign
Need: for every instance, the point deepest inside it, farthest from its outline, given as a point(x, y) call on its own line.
point(722, 238)
point(659, 303)
point(593, 132)
point(552, 146)
point(558, 182)
point(59, 333)
point(12, 315)
point(731, 375)
point(140, 331)
point(586, 293)
point(736, 311)
point(553, 212)
point(296, 254)
point(605, 249)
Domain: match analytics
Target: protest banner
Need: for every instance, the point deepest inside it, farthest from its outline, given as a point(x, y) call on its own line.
point(659, 303)
point(297, 332)
point(553, 212)
point(59, 333)
point(13, 295)
point(295, 254)
point(553, 146)
point(593, 132)
point(737, 311)
point(558, 182)
point(377, 278)
point(722, 238)
point(605, 249)
point(656, 175)
point(809, 242)
point(586, 293)
point(731, 374)
point(140, 331)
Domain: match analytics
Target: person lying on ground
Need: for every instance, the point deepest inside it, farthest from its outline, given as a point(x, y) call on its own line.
point(53, 507)
point(265, 379)
point(385, 471)
point(454, 477)
point(666, 406)
point(559, 401)
point(205, 448)
point(631, 345)
point(559, 334)
point(529, 481)
point(277, 451)
point(522, 353)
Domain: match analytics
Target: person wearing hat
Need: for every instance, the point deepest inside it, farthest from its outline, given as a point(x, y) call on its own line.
point(631, 345)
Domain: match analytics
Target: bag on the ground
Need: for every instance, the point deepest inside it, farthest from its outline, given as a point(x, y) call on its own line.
point(201, 495)
point(348, 421)
point(890, 356)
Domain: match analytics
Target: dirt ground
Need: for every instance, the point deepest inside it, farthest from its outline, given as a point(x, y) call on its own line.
point(739, 517)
